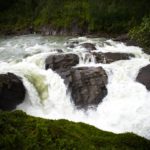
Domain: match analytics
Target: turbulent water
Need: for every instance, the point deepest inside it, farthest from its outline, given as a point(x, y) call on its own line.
point(126, 108)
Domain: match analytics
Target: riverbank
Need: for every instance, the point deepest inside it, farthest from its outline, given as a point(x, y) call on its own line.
point(20, 131)
point(49, 31)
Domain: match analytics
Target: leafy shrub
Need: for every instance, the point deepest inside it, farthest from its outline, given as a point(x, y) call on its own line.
point(141, 34)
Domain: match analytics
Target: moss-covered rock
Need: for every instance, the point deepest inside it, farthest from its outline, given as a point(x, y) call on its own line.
point(23, 132)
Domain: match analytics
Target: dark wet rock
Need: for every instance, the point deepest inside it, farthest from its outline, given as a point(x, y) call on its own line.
point(89, 46)
point(144, 76)
point(62, 63)
point(72, 44)
point(58, 50)
point(27, 55)
point(111, 57)
point(12, 91)
point(88, 86)
point(126, 39)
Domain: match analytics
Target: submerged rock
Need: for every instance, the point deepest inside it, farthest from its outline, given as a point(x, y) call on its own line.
point(62, 63)
point(144, 76)
point(111, 57)
point(87, 46)
point(58, 50)
point(88, 86)
point(72, 44)
point(12, 91)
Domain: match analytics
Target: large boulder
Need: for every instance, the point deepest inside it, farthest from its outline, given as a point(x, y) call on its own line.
point(144, 76)
point(111, 57)
point(89, 46)
point(12, 91)
point(62, 63)
point(88, 86)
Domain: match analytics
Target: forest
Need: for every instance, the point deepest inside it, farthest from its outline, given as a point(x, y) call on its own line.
point(114, 16)
point(89, 16)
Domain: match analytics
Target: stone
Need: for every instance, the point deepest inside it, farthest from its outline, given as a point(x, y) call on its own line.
point(62, 64)
point(111, 57)
point(72, 44)
point(144, 76)
point(12, 91)
point(89, 46)
point(57, 50)
point(126, 39)
point(88, 86)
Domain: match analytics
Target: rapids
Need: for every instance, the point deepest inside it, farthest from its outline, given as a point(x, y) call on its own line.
point(126, 108)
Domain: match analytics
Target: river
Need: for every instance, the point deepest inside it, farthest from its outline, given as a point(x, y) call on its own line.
point(126, 108)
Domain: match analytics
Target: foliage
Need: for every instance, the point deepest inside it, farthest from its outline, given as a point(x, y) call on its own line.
point(112, 16)
point(141, 34)
point(19, 131)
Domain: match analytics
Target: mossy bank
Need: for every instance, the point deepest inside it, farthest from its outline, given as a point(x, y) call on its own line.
point(23, 132)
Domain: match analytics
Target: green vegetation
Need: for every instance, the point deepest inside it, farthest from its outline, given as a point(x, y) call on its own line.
point(78, 16)
point(22, 132)
point(111, 16)
point(141, 34)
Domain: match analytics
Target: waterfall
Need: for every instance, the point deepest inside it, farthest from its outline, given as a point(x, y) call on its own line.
point(126, 108)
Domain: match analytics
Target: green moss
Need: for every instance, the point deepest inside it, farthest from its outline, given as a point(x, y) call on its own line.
point(19, 131)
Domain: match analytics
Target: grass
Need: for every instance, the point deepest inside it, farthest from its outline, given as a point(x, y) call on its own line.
point(19, 131)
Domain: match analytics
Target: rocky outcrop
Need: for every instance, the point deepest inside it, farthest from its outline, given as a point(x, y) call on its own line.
point(126, 39)
point(12, 91)
point(73, 30)
point(89, 46)
point(144, 76)
point(111, 57)
point(88, 86)
point(62, 64)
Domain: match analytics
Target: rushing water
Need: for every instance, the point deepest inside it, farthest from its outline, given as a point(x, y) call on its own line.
point(126, 108)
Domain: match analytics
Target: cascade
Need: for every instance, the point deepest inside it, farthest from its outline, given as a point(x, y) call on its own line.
point(126, 108)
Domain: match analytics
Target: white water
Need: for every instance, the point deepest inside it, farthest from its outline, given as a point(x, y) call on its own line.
point(126, 108)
